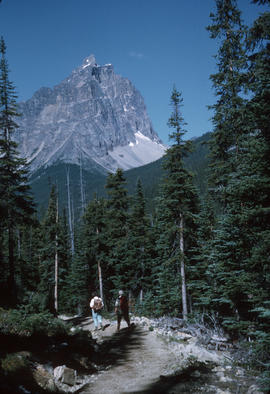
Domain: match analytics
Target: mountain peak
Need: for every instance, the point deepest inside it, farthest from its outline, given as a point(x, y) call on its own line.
point(92, 116)
point(89, 61)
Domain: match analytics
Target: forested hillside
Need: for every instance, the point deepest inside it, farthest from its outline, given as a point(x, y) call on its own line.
point(152, 174)
point(93, 183)
point(203, 247)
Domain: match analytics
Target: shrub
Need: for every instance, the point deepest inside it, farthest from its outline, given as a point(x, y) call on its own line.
point(19, 322)
point(13, 363)
point(34, 302)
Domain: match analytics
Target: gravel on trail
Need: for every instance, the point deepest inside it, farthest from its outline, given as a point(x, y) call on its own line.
point(136, 358)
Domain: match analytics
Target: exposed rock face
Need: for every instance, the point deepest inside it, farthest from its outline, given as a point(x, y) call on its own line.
point(43, 378)
point(65, 375)
point(93, 117)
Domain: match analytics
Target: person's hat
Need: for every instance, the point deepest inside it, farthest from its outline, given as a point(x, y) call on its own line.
point(121, 292)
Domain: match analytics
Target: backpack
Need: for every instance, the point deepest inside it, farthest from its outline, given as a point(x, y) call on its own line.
point(97, 304)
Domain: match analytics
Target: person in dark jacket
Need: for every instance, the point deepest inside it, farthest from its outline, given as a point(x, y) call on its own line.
point(122, 309)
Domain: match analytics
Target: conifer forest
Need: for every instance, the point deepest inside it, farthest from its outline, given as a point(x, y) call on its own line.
point(194, 254)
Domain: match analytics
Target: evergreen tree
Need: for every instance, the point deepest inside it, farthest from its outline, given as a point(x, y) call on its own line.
point(242, 231)
point(257, 206)
point(65, 261)
point(48, 250)
point(225, 152)
point(141, 245)
point(178, 206)
point(27, 265)
point(95, 247)
point(202, 284)
point(55, 259)
point(258, 76)
point(228, 119)
point(239, 257)
point(117, 230)
point(16, 206)
point(77, 286)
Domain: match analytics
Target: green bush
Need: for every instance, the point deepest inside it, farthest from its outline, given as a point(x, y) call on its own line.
point(34, 302)
point(14, 362)
point(19, 322)
point(261, 356)
point(10, 321)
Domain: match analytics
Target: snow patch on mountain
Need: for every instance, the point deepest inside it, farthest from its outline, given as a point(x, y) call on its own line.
point(137, 154)
point(36, 152)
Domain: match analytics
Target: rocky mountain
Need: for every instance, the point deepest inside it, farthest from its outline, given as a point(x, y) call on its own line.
point(94, 118)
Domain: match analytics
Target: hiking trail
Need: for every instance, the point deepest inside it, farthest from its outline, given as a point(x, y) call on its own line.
point(139, 360)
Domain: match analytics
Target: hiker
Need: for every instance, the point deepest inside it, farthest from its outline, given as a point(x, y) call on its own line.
point(121, 309)
point(96, 304)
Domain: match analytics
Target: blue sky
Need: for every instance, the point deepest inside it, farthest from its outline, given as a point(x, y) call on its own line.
point(154, 43)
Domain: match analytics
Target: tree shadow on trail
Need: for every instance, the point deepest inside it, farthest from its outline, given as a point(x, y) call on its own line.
point(78, 321)
point(185, 382)
point(116, 349)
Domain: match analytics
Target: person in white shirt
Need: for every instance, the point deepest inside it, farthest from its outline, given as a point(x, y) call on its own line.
point(96, 304)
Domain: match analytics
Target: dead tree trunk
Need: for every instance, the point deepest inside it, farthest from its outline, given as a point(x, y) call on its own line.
point(182, 265)
point(56, 264)
point(141, 296)
point(100, 277)
point(71, 232)
point(82, 188)
point(100, 280)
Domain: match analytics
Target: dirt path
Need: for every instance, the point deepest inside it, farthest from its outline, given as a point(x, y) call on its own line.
point(138, 361)
point(136, 358)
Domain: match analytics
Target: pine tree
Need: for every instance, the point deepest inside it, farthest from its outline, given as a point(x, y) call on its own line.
point(178, 207)
point(65, 260)
point(258, 76)
point(141, 245)
point(235, 261)
point(239, 257)
point(27, 265)
point(117, 230)
point(228, 119)
point(257, 206)
point(54, 253)
point(95, 247)
point(16, 205)
point(225, 151)
point(78, 279)
point(202, 284)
